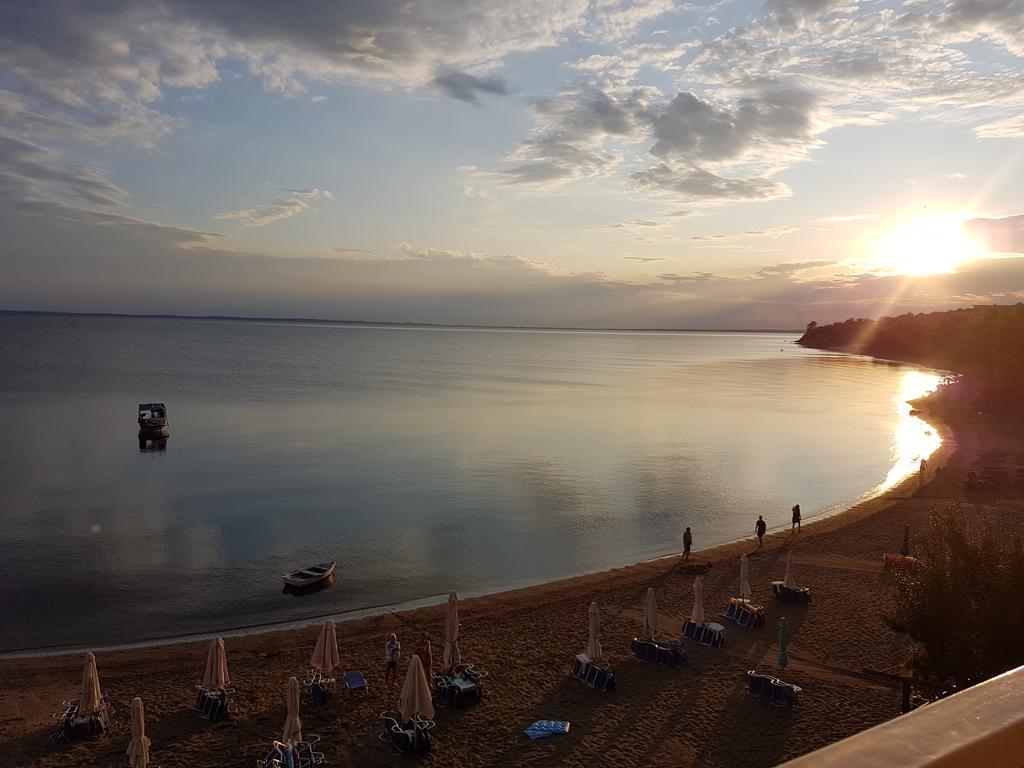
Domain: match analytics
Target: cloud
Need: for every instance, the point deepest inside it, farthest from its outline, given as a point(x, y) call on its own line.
point(701, 185)
point(769, 232)
point(109, 262)
point(466, 87)
point(850, 217)
point(768, 121)
point(31, 173)
point(1005, 235)
point(646, 258)
point(568, 138)
point(1008, 128)
point(281, 208)
point(792, 267)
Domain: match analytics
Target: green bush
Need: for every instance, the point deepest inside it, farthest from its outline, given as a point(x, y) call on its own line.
point(964, 603)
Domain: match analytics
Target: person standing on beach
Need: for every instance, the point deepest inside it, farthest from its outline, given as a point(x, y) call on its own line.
point(687, 543)
point(920, 474)
point(426, 657)
point(796, 518)
point(392, 654)
point(759, 528)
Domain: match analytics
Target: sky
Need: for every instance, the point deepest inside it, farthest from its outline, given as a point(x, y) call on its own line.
point(583, 163)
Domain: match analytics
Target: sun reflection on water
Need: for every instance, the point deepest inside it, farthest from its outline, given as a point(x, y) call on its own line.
point(913, 438)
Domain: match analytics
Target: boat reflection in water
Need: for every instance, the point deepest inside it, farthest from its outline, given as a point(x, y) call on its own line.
point(148, 444)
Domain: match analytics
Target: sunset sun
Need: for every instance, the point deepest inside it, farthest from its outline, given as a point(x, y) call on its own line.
point(925, 244)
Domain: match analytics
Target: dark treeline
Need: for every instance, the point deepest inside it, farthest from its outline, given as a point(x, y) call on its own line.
point(985, 343)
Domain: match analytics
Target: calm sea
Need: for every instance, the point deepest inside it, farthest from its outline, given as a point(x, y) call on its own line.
point(420, 459)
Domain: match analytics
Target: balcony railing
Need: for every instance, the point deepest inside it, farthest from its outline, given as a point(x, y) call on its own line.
point(981, 727)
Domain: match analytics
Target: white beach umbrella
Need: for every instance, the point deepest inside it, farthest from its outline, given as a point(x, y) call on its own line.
point(216, 675)
point(789, 581)
point(650, 628)
point(415, 697)
point(325, 654)
point(91, 701)
point(745, 578)
point(292, 725)
point(594, 639)
point(452, 654)
point(697, 614)
point(138, 749)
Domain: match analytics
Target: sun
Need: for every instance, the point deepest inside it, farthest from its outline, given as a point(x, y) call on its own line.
point(926, 244)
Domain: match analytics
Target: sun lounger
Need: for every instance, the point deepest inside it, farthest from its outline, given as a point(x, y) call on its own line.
point(405, 737)
point(897, 562)
point(791, 594)
point(711, 634)
point(778, 692)
point(592, 674)
point(214, 705)
point(355, 682)
point(668, 653)
point(744, 613)
point(544, 728)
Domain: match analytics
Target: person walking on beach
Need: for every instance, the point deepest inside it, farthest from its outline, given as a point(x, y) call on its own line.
point(687, 543)
point(392, 655)
point(920, 474)
point(759, 528)
point(796, 518)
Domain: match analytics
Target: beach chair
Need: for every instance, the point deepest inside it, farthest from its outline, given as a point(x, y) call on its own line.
point(786, 594)
point(355, 682)
point(667, 653)
point(759, 685)
point(744, 613)
point(784, 694)
point(711, 634)
point(579, 667)
point(214, 705)
point(412, 736)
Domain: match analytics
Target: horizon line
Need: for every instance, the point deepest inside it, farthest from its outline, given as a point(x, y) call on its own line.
point(389, 323)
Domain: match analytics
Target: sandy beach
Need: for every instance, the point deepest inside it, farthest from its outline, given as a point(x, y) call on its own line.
point(699, 714)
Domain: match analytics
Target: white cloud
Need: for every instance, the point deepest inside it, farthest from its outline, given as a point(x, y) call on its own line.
point(281, 208)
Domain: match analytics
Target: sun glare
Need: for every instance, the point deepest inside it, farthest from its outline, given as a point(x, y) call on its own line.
point(926, 244)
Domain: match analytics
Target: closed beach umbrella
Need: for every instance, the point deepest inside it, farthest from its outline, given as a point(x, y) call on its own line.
point(745, 578)
point(594, 638)
point(905, 549)
point(138, 749)
point(415, 697)
point(292, 726)
point(788, 581)
point(452, 654)
point(325, 654)
point(783, 641)
point(91, 701)
point(697, 614)
point(650, 614)
point(216, 676)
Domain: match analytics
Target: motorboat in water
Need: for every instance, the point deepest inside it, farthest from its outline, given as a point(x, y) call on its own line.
point(153, 420)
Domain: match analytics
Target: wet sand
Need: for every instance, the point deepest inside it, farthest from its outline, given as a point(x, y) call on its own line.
point(698, 715)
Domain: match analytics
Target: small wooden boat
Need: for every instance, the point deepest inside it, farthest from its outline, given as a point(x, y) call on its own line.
point(307, 577)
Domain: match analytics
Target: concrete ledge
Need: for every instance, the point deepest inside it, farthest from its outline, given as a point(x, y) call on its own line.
point(982, 727)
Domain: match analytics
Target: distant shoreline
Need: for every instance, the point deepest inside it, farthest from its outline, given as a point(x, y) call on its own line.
point(378, 323)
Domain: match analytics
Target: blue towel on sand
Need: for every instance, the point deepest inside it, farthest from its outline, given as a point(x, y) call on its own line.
point(543, 728)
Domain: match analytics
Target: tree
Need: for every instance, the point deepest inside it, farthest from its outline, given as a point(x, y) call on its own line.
point(963, 604)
